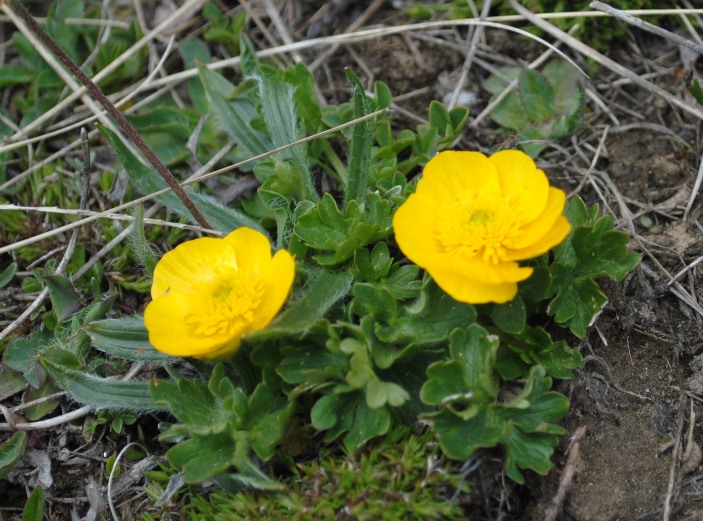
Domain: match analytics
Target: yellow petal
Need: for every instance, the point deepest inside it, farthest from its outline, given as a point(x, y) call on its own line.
point(165, 320)
point(522, 183)
point(474, 291)
point(539, 227)
point(278, 276)
point(251, 248)
point(190, 264)
point(477, 270)
point(414, 226)
point(451, 174)
point(554, 236)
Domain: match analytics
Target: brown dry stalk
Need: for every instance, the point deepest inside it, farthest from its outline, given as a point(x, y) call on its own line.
point(97, 94)
point(567, 475)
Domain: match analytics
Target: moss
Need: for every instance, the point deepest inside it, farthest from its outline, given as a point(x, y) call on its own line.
point(402, 478)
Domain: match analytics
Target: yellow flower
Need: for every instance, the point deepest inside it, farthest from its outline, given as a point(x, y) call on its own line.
point(473, 217)
point(208, 293)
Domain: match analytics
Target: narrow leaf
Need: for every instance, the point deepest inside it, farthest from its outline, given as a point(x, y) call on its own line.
point(64, 298)
point(310, 307)
point(362, 139)
point(34, 507)
point(124, 338)
point(11, 451)
point(101, 393)
point(7, 274)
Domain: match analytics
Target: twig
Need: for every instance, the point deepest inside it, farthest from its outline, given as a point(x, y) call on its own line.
point(641, 24)
point(676, 453)
point(567, 475)
point(605, 61)
point(694, 192)
point(96, 93)
point(115, 465)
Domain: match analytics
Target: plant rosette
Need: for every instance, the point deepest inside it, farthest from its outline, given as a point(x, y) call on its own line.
point(387, 300)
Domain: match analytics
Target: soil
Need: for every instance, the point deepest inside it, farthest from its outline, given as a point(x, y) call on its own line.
point(639, 394)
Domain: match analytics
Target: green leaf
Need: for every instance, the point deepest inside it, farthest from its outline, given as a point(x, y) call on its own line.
point(11, 451)
point(194, 51)
point(124, 338)
point(99, 393)
point(592, 250)
point(279, 108)
point(7, 274)
point(695, 89)
point(524, 427)
point(11, 382)
point(22, 355)
point(536, 96)
point(379, 393)
point(468, 377)
point(268, 431)
point(534, 346)
point(38, 411)
point(15, 74)
point(310, 306)
point(510, 317)
point(324, 227)
point(509, 113)
point(566, 82)
point(190, 401)
point(360, 147)
point(65, 300)
point(140, 247)
point(576, 305)
point(350, 413)
point(234, 113)
point(324, 413)
point(203, 458)
point(311, 365)
point(427, 321)
point(34, 507)
point(496, 83)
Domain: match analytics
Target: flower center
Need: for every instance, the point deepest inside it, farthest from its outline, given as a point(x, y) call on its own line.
point(478, 224)
point(230, 302)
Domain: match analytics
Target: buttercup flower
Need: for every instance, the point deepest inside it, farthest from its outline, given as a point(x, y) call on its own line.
point(473, 217)
point(207, 293)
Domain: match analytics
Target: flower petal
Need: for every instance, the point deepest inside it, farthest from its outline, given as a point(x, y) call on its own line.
point(475, 291)
point(251, 248)
point(278, 277)
point(190, 264)
point(554, 236)
point(522, 183)
point(165, 319)
point(450, 174)
point(538, 228)
point(414, 225)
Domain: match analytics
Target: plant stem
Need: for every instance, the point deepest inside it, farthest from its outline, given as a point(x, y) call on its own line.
point(119, 118)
